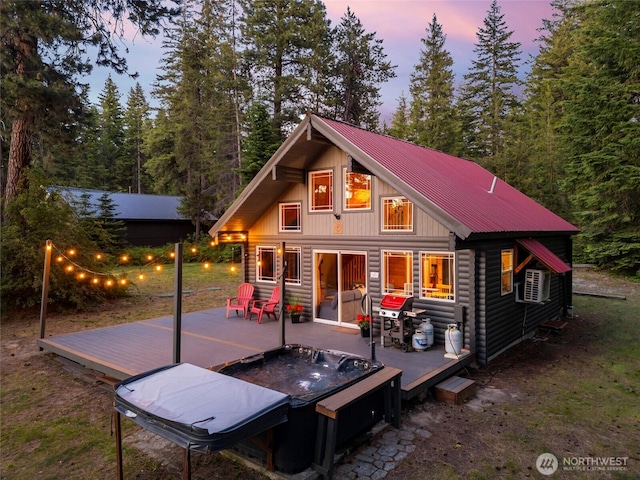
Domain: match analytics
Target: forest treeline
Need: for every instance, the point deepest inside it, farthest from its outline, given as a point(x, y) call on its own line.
point(236, 76)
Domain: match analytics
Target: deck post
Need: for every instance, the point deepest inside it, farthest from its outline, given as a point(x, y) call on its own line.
point(45, 288)
point(282, 294)
point(177, 305)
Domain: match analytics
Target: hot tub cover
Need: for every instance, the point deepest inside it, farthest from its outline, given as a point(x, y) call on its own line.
point(199, 409)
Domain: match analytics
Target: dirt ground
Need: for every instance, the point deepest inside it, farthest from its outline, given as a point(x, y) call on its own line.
point(459, 429)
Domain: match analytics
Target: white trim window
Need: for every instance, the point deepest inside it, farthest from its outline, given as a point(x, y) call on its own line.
point(397, 214)
point(290, 217)
point(357, 191)
point(292, 257)
point(321, 191)
point(266, 264)
point(437, 279)
point(506, 271)
point(397, 272)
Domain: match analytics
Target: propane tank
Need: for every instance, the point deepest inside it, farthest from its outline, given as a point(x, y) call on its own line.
point(427, 329)
point(419, 340)
point(453, 339)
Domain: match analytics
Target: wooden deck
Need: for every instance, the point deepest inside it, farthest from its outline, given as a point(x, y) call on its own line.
point(210, 340)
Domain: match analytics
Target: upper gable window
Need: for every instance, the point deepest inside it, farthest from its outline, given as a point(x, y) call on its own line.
point(321, 191)
point(397, 214)
point(357, 191)
point(290, 217)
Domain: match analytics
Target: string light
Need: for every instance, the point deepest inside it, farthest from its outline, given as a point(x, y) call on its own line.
point(94, 278)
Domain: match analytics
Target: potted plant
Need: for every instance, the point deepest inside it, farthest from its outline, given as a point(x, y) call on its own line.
point(364, 322)
point(294, 309)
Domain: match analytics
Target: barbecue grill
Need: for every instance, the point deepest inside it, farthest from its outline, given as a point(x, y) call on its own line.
point(396, 315)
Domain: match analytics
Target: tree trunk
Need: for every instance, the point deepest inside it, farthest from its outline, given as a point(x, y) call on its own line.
point(24, 48)
point(19, 158)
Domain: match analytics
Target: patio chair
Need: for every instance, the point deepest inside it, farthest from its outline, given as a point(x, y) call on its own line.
point(242, 300)
point(266, 307)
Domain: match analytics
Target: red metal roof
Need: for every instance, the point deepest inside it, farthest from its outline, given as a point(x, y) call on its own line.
point(461, 188)
point(544, 255)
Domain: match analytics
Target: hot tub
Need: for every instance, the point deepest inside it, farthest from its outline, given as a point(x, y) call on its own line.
point(307, 375)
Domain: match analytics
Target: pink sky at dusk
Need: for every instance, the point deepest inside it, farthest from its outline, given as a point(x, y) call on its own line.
point(400, 24)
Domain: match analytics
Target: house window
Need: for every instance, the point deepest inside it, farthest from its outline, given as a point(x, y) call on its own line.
point(321, 191)
point(397, 214)
point(437, 275)
point(357, 191)
point(292, 257)
point(507, 272)
point(290, 216)
point(397, 272)
point(266, 267)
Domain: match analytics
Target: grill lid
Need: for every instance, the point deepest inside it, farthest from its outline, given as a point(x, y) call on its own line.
point(397, 302)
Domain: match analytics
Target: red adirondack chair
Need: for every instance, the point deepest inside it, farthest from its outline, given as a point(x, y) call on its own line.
point(266, 307)
point(242, 300)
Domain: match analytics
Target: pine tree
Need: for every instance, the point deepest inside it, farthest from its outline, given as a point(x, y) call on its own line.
point(540, 171)
point(159, 148)
point(200, 89)
point(360, 68)
point(600, 133)
point(487, 95)
point(44, 47)
point(401, 123)
point(136, 119)
point(261, 142)
point(112, 171)
point(433, 114)
point(286, 55)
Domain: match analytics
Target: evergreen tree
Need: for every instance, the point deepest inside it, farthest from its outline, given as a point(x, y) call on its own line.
point(487, 96)
point(360, 68)
point(201, 91)
point(401, 122)
point(600, 133)
point(44, 47)
point(112, 171)
point(286, 55)
point(539, 168)
point(110, 231)
point(261, 142)
point(136, 120)
point(433, 117)
point(159, 148)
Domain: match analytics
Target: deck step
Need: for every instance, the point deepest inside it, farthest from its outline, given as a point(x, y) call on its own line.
point(554, 326)
point(455, 390)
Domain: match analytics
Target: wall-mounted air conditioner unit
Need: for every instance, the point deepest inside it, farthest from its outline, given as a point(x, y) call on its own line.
point(537, 285)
